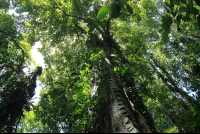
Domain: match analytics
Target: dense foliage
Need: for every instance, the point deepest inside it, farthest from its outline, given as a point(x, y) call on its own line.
point(149, 48)
point(16, 87)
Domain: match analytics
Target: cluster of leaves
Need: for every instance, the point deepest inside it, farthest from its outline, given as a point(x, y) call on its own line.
point(117, 8)
point(181, 12)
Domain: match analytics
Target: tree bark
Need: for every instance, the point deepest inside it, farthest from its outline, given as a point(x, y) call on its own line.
point(119, 115)
point(13, 107)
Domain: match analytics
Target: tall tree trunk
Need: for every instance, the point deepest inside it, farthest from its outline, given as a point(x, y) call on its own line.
point(12, 108)
point(119, 115)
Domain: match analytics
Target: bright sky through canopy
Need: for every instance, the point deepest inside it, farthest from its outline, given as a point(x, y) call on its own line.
point(39, 60)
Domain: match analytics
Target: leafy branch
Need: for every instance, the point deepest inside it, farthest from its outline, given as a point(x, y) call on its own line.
point(20, 65)
point(4, 64)
point(88, 20)
point(74, 81)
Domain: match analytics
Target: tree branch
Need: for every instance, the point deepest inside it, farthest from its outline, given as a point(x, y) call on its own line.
point(64, 11)
point(174, 86)
point(81, 29)
point(4, 64)
point(75, 80)
point(186, 36)
point(84, 19)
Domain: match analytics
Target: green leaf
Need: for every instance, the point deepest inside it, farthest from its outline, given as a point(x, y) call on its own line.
point(126, 68)
point(193, 111)
point(134, 130)
point(129, 125)
point(87, 29)
point(167, 21)
point(85, 122)
point(165, 36)
point(103, 12)
point(122, 72)
point(130, 10)
point(115, 68)
point(125, 120)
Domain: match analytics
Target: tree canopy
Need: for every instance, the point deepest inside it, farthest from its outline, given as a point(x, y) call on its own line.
point(111, 66)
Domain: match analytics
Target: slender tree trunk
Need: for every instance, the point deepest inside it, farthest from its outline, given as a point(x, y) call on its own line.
point(172, 86)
